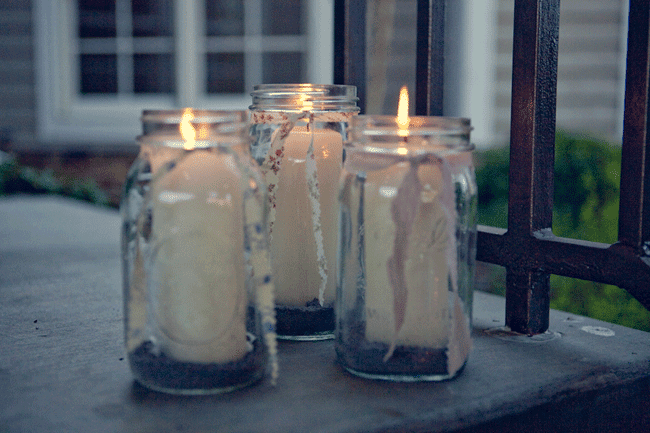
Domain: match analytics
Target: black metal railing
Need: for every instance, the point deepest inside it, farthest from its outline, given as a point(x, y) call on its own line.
point(528, 249)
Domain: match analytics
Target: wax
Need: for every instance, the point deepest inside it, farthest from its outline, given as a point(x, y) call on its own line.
point(427, 312)
point(293, 246)
point(156, 156)
point(200, 305)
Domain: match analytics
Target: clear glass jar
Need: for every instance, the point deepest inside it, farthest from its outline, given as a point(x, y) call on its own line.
point(407, 249)
point(298, 131)
point(195, 255)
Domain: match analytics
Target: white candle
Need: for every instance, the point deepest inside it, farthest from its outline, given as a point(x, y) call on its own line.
point(293, 246)
point(201, 302)
point(158, 155)
point(411, 295)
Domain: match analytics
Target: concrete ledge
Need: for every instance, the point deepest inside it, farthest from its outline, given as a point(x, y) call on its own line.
point(62, 364)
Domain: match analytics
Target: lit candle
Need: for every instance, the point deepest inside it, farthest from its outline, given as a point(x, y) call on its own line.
point(293, 244)
point(198, 229)
point(298, 132)
point(410, 261)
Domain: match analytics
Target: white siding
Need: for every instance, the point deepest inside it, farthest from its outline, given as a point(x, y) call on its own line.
point(17, 105)
point(590, 73)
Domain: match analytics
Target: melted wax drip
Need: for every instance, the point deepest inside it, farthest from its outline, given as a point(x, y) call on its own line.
point(314, 200)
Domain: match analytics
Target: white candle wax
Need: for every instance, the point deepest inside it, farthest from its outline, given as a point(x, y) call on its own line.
point(201, 302)
point(293, 247)
point(136, 310)
point(159, 155)
point(427, 312)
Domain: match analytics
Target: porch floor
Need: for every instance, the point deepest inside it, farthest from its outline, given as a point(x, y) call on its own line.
point(63, 367)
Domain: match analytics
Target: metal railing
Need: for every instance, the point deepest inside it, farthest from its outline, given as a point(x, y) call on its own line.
point(528, 249)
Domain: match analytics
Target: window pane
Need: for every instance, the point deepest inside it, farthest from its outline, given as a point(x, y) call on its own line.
point(283, 68)
point(282, 18)
point(152, 17)
point(98, 73)
point(225, 73)
point(153, 73)
point(224, 17)
point(96, 18)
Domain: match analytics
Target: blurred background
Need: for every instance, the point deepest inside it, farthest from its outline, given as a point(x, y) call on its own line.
point(76, 74)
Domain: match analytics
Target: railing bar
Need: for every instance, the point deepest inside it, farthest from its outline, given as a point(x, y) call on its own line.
point(527, 311)
point(634, 211)
point(528, 249)
point(603, 263)
point(350, 46)
point(429, 65)
point(532, 139)
point(532, 130)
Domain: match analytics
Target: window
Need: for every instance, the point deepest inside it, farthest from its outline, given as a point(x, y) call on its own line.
point(101, 62)
point(125, 47)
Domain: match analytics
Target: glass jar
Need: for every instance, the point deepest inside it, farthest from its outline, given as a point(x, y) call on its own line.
point(407, 249)
point(298, 131)
point(196, 269)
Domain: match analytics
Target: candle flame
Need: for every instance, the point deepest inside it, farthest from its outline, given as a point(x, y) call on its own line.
point(403, 112)
point(187, 130)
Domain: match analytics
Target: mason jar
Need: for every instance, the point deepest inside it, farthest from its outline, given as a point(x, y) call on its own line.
point(196, 272)
point(298, 132)
point(407, 248)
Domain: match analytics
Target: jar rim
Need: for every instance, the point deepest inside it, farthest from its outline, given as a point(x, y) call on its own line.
point(424, 134)
point(218, 128)
point(417, 125)
point(199, 116)
point(293, 97)
point(281, 90)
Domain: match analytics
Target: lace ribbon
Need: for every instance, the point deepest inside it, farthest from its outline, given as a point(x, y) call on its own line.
point(404, 209)
point(272, 165)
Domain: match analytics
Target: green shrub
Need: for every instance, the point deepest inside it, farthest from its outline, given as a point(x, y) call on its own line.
point(18, 179)
point(587, 173)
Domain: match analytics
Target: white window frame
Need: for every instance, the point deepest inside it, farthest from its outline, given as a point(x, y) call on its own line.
point(65, 118)
point(478, 54)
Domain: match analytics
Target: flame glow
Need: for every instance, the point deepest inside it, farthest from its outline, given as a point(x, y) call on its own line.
point(306, 105)
point(203, 131)
point(403, 112)
point(187, 130)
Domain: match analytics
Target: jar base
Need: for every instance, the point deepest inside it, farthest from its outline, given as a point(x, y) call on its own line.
point(312, 337)
point(404, 377)
point(406, 364)
point(200, 391)
point(159, 372)
point(310, 322)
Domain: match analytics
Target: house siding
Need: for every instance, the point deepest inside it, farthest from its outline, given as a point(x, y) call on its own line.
point(590, 72)
point(17, 83)
point(591, 53)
